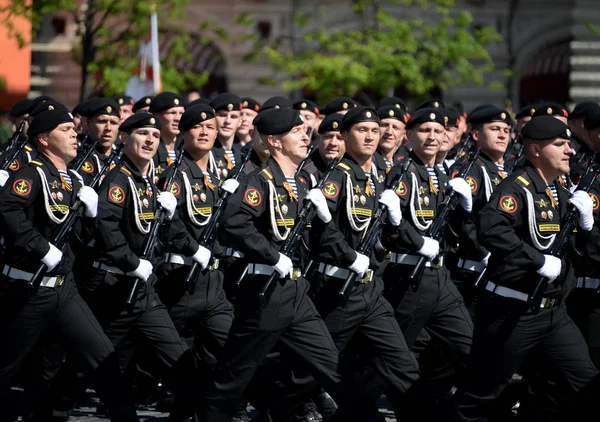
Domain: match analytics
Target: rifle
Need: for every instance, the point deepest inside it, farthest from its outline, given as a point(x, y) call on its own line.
point(509, 164)
point(13, 148)
point(76, 210)
point(311, 148)
point(77, 166)
point(435, 230)
point(150, 240)
point(465, 144)
point(211, 228)
point(368, 242)
point(291, 242)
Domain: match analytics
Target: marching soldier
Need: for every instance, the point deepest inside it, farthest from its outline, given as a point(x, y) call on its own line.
point(125, 103)
point(391, 148)
point(582, 145)
point(339, 105)
point(226, 153)
point(250, 108)
point(518, 226)
point(142, 105)
point(452, 138)
point(32, 209)
point(168, 107)
point(310, 113)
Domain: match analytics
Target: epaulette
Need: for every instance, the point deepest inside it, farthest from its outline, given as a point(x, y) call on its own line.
point(266, 174)
point(344, 166)
point(36, 162)
point(522, 180)
point(124, 170)
point(28, 148)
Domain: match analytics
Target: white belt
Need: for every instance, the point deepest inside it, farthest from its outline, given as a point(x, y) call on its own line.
point(515, 294)
point(588, 283)
point(342, 273)
point(17, 274)
point(232, 252)
point(107, 268)
point(175, 258)
point(263, 269)
point(467, 264)
point(406, 259)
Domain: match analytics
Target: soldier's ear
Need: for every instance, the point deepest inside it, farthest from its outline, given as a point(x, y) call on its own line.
point(43, 139)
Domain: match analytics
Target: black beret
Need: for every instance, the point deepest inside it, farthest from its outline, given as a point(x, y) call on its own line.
point(48, 120)
point(100, 106)
point(480, 107)
point(584, 109)
point(452, 117)
point(277, 120)
point(227, 101)
point(138, 120)
point(250, 103)
point(276, 102)
point(490, 114)
point(77, 109)
point(34, 103)
point(425, 115)
point(306, 105)
point(592, 121)
point(339, 104)
point(431, 103)
point(20, 107)
point(393, 101)
point(123, 100)
point(194, 115)
point(524, 112)
point(331, 123)
point(358, 115)
point(392, 112)
point(143, 102)
point(550, 109)
point(545, 127)
point(198, 101)
point(50, 104)
point(165, 101)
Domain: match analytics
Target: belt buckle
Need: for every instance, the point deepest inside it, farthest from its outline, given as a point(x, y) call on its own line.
point(388, 255)
point(214, 265)
point(436, 262)
point(295, 273)
point(547, 303)
point(59, 280)
point(367, 277)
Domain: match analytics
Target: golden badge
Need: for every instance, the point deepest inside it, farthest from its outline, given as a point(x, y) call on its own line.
point(284, 209)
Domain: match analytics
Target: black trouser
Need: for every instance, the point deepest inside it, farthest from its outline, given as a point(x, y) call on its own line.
point(289, 317)
point(23, 320)
point(506, 333)
point(583, 306)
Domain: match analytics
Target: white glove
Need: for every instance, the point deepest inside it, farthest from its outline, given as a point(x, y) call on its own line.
point(392, 202)
point(4, 176)
point(230, 185)
point(143, 271)
point(430, 249)
point(485, 260)
point(361, 264)
point(462, 188)
point(168, 202)
point(89, 197)
point(318, 199)
point(551, 267)
point(584, 205)
point(284, 266)
point(52, 258)
point(202, 257)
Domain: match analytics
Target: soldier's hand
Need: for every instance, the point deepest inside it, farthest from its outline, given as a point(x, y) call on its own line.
point(462, 188)
point(284, 266)
point(582, 201)
point(551, 268)
point(392, 202)
point(143, 271)
point(230, 185)
point(202, 257)
point(360, 264)
point(4, 176)
point(318, 199)
point(168, 202)
point(52, 258)
point(430, 248)
point(89, 197)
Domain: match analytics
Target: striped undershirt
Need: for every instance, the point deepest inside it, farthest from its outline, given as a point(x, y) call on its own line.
point(66, 177)
point(292, 182)
point(370, 179)
point(172, 155)
point(231, 155)
point(441, 168)
point(554, 192)
point(432, 174)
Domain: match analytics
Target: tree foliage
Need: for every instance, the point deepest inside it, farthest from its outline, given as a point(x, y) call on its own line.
point(418, 55)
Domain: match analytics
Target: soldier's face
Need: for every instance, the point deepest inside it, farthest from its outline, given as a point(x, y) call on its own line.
point(246, 117)
point(310, 120)
point(201, 137)
point(426, 139)
point(16, 121)
point(362, 139)
point(126, 111)
point(141, 144)
point(493, 137)
point(104, 128)
point(554, 155)
point(169, 119)
point(392, 134)
point(293, 144)
point(331, 145)
point(61, 142)
point(228, 123)
point(259, 146)
point(521, 122)
point(448, 139)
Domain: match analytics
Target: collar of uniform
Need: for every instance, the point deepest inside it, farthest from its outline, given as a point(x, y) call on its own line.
point(420, 167)
point(401, 153)
point(379, 161)
point(318, 161)
point(359, 173)
point(49, 165)
point(162, 153)
point(254, 158)
point(489, 164)
point(534, 176)
point(272, 166)
point(196, 171)
point(128, 164)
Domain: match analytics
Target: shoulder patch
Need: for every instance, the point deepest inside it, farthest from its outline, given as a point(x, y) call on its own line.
point(252, 197)
point(124, 170)
point(344, 166)
point(302, 179)
point(522, 180)
point(266, 173)
point(28, 148)
point(36, 162)
point(402, 190)
point(454, 174)
point(22, 187)
point(116, 194)
point(14, 166)
point(331, 190)
point(87, 167)
point(509, 204)
point(175, 188)
point(595, 202)
point(472, 183)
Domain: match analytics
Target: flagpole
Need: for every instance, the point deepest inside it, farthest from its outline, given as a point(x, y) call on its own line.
point(155, 52)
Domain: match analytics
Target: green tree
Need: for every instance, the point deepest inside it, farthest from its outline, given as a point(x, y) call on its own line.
point(111, 31)
point(446, 50)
